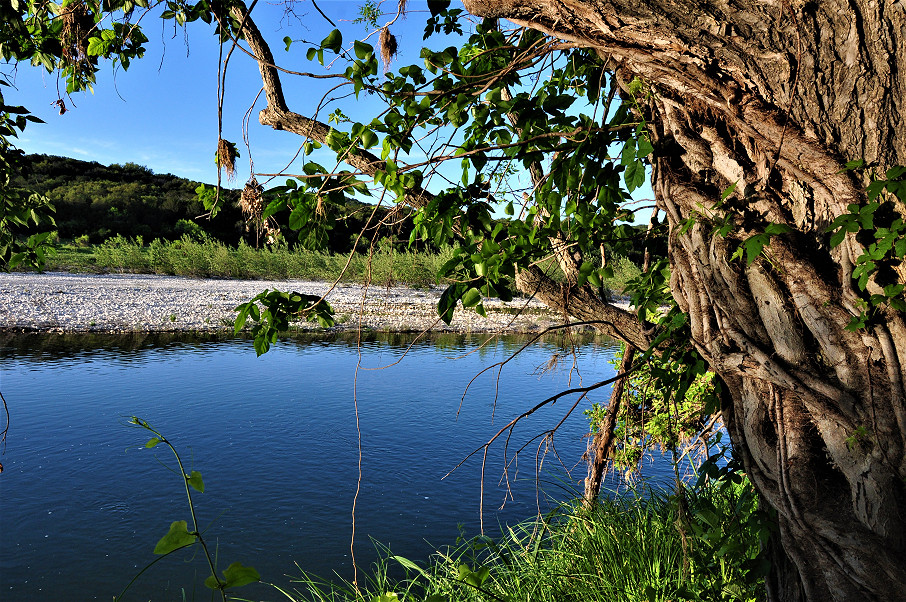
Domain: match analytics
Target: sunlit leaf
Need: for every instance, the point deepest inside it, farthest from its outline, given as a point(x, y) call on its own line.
point(471, 297)
point(333, 41)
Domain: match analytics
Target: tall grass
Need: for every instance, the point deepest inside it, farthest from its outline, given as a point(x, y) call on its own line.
point(631, 548)
point(212, 259)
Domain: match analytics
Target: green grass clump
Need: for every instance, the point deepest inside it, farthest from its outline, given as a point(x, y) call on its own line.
point(703, 544)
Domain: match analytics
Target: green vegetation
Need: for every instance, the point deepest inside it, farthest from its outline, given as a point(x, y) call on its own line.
point(207, 258)
point(556, 135)
point(705, 541)
point(95, 202)
point(645, 545)
point(179, 536)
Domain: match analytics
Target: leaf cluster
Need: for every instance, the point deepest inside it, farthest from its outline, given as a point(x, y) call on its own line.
point(24, 215)
point(879, 226)
point(277, 310)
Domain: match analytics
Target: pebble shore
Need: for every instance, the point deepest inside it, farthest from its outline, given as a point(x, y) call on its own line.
point(118, 303)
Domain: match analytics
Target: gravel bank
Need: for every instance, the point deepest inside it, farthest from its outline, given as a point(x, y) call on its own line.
point(58, 302)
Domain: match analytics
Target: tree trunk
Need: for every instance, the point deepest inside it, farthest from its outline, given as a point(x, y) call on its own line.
point(601, 444)
point(775, 97)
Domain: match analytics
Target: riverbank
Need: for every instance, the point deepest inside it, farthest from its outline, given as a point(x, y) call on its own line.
point(63, 302)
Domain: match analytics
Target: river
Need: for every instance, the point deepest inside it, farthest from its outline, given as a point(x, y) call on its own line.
point(83, 502)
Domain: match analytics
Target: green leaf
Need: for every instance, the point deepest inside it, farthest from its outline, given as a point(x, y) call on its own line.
point(728, 191)
point(474, 578)
point(627, 157)
point(896, 172)
point(409, 565)
point(195, 481)
point(369, 138)
point(153, 441)
point(644, 149)
point(261, 345)
point(851, 165)
point(288, 41)
point(242, 317)
point(362, 50)
point(446, 305)
point(471, 297)
point(386, 597)
point(773, 229)
point(754, 245)
point(238, 575)
point(634, 175)
point(874, 189)
point(333, 41)
point(177, 537)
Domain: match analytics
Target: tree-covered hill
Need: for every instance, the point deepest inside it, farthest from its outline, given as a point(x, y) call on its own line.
point(101, 201)
point(130, 200)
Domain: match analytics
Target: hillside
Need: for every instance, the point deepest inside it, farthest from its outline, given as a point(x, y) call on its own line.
point(131, 200)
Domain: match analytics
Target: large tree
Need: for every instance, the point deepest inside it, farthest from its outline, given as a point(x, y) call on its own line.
point(774, 98)
point(747, 113)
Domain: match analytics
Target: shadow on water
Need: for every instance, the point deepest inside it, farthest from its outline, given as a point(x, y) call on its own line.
point(69, 343)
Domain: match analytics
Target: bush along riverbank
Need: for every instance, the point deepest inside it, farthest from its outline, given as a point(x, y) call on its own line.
point(203, 257)
point(700, 542)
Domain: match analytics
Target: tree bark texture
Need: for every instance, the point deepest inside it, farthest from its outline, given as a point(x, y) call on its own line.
point(775, 96)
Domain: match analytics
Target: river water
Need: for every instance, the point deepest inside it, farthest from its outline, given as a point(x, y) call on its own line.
point(82, 502)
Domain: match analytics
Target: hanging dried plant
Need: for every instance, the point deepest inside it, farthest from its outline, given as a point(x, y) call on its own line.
point(78, 23)
point(226, 157)
point(401, 7)
point(251, 201)
point(387, 46)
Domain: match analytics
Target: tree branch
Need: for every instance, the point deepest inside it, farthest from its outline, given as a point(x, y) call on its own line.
point(583, 303)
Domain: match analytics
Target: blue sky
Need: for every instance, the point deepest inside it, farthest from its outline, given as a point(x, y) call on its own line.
point(162, 112)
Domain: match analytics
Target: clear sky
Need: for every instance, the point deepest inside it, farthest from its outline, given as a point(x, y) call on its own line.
point(162, 112)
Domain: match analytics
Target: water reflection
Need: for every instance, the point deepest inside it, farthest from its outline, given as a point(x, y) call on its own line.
point(275, 440)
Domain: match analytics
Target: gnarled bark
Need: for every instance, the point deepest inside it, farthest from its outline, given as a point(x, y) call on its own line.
point(775, 97)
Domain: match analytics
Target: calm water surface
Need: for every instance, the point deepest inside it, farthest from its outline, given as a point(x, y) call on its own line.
point(82, 503)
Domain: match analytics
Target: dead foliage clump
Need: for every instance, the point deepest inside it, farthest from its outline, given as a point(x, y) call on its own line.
point(78, 23)
point(252, 203)
point(226, 157)
point(387, 46)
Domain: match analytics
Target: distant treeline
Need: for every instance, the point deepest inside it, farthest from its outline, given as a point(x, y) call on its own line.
point(130, 200)
point(97, 202)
